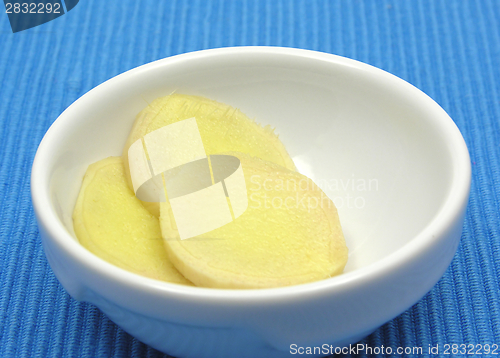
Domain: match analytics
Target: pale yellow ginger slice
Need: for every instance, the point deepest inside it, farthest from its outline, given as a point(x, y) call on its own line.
point(289, 234)
point(112, 223)
point(222, 128)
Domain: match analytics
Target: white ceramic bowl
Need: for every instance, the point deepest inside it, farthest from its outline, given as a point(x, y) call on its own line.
point(391, 158)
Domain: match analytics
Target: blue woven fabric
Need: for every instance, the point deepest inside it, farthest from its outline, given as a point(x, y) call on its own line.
point(448, 49)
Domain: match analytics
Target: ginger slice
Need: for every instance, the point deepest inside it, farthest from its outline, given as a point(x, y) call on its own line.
point(222, 128)
point(289, 234)
point(112, 223)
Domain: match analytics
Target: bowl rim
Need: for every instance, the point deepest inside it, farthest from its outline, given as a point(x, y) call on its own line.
point(450, 210)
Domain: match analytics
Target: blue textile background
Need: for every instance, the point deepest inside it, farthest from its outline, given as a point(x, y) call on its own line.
point(448, 49)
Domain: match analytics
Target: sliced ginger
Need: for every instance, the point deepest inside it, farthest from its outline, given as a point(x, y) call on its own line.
point(289, 234)
point(112, 223)
point(222, 128)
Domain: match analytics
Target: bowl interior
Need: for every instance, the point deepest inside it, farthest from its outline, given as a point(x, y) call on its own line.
point(368, 139)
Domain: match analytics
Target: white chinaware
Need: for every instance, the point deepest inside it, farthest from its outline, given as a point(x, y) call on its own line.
point(390, 157)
